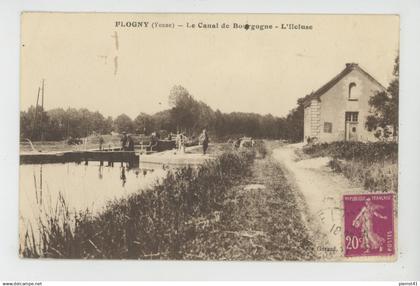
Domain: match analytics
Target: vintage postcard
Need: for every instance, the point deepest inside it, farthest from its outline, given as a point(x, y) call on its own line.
point(209, 136)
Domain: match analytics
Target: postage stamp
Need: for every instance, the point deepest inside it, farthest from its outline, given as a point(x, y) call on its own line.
point(369, 225)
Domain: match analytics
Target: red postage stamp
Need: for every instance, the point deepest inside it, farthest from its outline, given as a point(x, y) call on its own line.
point(369, 225)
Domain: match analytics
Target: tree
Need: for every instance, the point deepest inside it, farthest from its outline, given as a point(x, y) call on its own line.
point(294, 122)
point(385, 106)
point(34, 123)
point(143, 123)
point(162, 120)
point(25, 124)
point(57, 126)
point(108, 125)
point(204, 117)
point(184, 108)
point(123, 123)
point(186, 114)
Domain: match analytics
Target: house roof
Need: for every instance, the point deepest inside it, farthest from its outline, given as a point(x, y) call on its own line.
point(323, 89)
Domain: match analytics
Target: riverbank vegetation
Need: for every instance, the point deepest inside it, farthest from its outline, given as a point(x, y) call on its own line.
point(155, 223)
point(373, 166)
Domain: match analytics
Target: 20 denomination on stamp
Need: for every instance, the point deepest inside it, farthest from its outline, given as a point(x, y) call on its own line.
point(369, 225)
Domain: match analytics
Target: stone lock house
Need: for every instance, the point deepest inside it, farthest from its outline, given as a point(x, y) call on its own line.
point(337, 111)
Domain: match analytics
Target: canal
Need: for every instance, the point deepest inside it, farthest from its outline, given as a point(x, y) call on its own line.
point(81, 186)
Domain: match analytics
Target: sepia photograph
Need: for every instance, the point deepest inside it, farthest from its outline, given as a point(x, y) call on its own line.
point(216, 137)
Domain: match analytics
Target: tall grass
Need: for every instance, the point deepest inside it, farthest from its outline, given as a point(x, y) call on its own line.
point(369, 152)
point(371, 165)
point(372, 176)
point(154, 224)
point(257, 224)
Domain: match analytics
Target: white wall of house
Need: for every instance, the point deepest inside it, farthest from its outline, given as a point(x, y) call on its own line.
point(307, 131)
point(332, 106)
point(312, 124)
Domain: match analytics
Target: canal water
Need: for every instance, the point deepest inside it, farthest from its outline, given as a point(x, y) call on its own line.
point(81, 186)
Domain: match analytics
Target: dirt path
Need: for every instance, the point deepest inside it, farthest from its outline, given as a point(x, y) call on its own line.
point(261, 219)
point(322, 190)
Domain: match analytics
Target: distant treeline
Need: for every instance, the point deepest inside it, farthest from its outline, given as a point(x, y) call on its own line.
point(186, 114)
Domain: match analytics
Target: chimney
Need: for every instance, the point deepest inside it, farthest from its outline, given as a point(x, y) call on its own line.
point(351, 65)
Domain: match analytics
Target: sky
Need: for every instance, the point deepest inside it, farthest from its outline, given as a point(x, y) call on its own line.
point(88, 62)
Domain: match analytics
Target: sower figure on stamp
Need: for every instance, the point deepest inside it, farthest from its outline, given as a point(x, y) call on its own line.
point(205, 140)
point(364, 220)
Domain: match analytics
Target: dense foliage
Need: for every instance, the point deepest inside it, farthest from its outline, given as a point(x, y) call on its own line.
point(374, 177)
point(370, 152)
point(373, 166)
point(186, 114)
point(58, 124)
point(385, 106)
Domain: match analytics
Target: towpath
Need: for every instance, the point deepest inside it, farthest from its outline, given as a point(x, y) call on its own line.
point(322, 190)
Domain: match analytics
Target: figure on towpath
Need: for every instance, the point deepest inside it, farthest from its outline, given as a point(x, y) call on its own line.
point(204, 137)
point(180, 142)
point(130, 143)
point(124, 140)
point(101, 142)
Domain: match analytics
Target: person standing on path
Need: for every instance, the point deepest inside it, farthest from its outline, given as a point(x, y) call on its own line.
point(124, 141)
point(101, 142)
point(180, 142)
point(130, 143)
point(205, 140)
